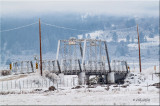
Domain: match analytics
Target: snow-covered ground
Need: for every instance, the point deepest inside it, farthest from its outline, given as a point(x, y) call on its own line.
point(96, 96)
point(137, 90)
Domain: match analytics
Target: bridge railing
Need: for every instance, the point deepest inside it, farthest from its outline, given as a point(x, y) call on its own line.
point(119, 66)
point(50, 65)
point(96, 66)
point(22, 67)
point(73, 65)
point(68, 66)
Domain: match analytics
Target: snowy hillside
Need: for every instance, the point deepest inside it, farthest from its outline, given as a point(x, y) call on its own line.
point(123, 45)
point(21, 43)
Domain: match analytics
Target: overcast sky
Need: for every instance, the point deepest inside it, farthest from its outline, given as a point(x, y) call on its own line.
point(113, 7)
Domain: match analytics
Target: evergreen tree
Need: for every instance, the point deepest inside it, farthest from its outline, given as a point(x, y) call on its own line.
point(122, 49)
point(145, 39)
point(128, 38)
point(114, 37)
point(132, 40)
point(83, 36)
point(141, 37)
point(88, 36)
point(148, 52)
point(130, 23)
point(151, 35)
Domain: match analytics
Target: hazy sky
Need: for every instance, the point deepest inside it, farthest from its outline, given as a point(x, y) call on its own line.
point(29, 8)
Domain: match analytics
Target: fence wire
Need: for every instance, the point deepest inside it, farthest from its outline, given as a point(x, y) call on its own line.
point(25, 84)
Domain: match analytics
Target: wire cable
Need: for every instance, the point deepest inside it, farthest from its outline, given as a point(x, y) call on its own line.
point(18, 27)
point(81, 30)
point(122, 29)
point(67, 28)
point(62, 27)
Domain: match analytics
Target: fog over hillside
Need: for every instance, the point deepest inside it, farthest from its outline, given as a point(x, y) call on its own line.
point(91, 19)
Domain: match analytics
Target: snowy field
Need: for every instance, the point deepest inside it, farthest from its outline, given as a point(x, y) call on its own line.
point(97, 96)
point(138, 89)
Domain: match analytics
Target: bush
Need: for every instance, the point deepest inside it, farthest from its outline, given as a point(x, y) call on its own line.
point(52, 88)
point(5, 72)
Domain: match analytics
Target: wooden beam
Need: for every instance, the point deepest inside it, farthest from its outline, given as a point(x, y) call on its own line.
point(40, 46)
point(139, 50)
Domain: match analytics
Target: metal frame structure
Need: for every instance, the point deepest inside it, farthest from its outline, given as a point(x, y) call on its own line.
point(83, 55)
point(22, 67)
point(75, 56)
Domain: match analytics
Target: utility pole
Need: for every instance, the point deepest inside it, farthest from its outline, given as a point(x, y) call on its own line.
point(139, 49)
point(40, 46)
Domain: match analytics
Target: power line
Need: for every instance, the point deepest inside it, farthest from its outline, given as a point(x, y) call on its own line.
point(67, 28)
point(80, 30)
point(18, 27)
point(122, 29)
point(62, 27)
